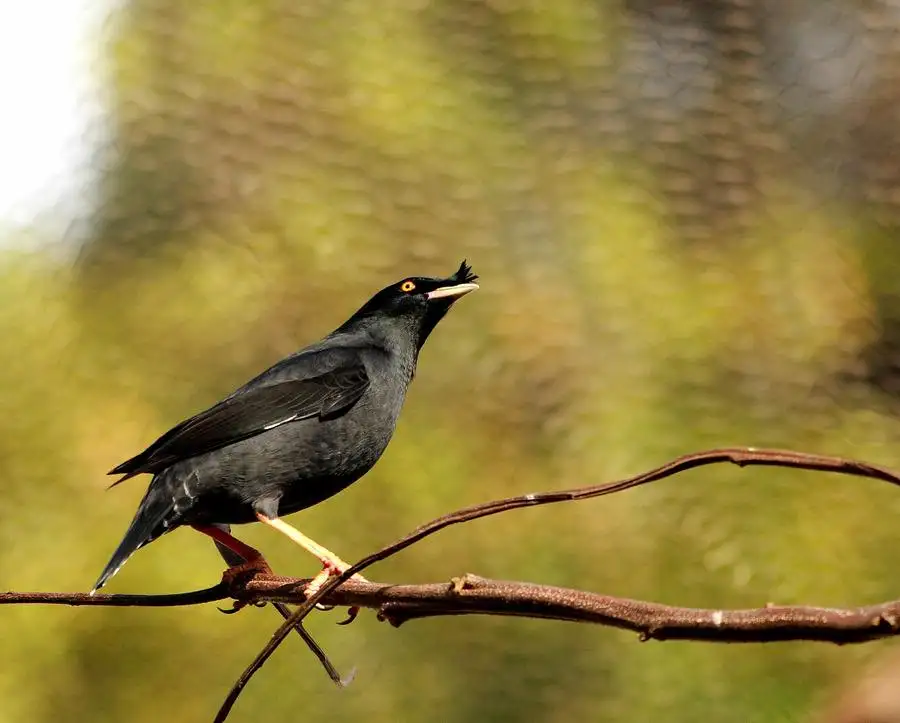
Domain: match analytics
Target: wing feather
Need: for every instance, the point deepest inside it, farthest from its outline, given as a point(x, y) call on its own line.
point(251, 411)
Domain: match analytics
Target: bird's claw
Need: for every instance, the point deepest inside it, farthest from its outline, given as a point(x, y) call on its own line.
point(239, 605)
point(240, 574)
point(352, 613)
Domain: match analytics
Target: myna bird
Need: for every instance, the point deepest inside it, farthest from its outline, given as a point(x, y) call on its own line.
point(295, 435)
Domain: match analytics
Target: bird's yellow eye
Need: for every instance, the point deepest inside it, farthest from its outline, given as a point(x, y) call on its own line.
point(407, 286)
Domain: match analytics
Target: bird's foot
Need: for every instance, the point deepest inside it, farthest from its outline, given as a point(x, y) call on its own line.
point(246, 571)
point(241, 574)
point(332, 568)
point(239, 605)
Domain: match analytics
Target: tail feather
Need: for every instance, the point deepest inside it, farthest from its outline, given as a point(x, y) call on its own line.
point(155, 516)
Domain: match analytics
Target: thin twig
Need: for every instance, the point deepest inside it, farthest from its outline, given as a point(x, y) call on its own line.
point(741, 456)
point(316, 649)
point(233, 559)
point(196, 597)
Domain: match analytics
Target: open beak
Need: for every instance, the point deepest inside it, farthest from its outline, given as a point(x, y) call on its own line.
point(451, 292)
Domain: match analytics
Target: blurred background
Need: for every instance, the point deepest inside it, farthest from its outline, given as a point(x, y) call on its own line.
point(685, 218)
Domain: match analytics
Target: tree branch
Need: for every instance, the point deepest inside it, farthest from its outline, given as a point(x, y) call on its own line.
point(472, 595)
point(741, 456)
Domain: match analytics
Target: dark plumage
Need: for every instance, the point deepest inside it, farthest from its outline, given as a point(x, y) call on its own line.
point(295, 435)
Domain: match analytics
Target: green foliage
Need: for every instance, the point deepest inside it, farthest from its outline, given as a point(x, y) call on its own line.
point(275, 163)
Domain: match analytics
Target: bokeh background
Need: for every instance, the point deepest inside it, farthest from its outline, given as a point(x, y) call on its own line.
point(685, 217)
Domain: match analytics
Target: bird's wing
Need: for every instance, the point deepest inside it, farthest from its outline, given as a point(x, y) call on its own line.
point(251, 411)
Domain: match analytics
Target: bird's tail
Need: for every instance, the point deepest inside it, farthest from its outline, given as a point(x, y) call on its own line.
point(153, 518)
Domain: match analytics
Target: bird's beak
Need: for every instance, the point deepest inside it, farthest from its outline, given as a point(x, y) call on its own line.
point(451, 292)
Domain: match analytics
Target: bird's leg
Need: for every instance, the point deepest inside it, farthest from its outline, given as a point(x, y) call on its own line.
point(254, 562)
point(331, 563)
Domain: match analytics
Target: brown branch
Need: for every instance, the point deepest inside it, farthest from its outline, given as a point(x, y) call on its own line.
point(471, 595)
point(741, 456)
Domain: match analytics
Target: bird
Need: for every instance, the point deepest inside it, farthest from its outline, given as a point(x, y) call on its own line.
point(293, 436)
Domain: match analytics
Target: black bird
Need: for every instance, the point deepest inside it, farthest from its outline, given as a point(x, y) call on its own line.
point(295, 435)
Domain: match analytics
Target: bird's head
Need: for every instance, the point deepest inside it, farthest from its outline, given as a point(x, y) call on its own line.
point(415, 304)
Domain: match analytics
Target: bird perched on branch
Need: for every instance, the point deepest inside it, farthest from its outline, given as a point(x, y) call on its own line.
point(295, 435)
